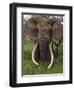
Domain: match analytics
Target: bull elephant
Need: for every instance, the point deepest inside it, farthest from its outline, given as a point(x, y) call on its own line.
point(44, 31)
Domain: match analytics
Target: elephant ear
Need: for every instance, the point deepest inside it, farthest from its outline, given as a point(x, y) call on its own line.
point(57, 30)
point(30, 28)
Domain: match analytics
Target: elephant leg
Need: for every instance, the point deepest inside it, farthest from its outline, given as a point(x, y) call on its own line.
point(55, 50)
point(51, 54)
point(33, 55)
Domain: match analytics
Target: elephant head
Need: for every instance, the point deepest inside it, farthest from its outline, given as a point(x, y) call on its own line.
point(43, 31)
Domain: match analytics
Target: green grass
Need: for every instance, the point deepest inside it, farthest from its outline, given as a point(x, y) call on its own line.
point(29, 68)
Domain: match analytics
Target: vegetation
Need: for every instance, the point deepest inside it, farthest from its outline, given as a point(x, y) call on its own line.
point(29, 68)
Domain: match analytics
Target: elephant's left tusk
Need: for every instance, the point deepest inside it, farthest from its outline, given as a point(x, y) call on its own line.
point(33, 59)
point(51, 54)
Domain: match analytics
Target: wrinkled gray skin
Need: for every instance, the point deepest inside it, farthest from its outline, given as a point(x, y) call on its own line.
point(43, 31)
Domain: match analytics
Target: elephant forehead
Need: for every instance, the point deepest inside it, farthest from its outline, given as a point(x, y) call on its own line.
point(43, 24)
point(42, 19)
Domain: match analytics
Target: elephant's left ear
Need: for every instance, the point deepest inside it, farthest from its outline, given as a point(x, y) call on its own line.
point(57, 32)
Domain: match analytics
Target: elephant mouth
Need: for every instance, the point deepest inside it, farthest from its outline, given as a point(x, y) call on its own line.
point(42, 53)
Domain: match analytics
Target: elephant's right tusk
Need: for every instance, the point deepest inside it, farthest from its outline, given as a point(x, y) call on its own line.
point(34, 61)
point(52, 57)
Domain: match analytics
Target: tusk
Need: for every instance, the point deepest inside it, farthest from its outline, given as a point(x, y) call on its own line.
point(34, 61)
point(52, 57)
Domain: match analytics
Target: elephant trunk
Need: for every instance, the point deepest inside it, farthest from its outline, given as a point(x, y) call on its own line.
point(44, 50)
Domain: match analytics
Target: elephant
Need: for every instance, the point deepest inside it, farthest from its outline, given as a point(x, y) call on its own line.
point(44, 31)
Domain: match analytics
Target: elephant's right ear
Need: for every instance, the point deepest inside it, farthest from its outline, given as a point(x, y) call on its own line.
point(30, 28)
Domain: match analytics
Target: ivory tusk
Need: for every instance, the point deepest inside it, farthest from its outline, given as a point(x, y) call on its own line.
point(52, 57)
point(34, 61)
